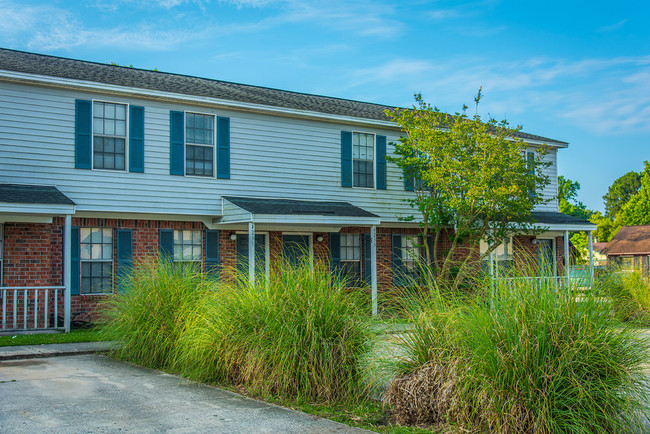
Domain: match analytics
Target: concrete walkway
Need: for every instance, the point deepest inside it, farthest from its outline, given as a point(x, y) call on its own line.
point(94, 393)
point(52, 350)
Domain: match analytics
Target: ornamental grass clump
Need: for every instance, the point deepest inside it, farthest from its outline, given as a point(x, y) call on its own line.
point(524, 356)
point(630, 292)
point(148, 313)
point(301, 333)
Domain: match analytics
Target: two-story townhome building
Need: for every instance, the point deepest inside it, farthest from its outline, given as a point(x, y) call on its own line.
point(102, 166)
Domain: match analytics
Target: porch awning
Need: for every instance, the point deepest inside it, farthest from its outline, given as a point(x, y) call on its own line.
point(21, 202)
point(294, 212)
point(556, 221)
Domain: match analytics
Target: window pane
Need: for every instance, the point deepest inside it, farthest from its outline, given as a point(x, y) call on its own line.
point(120, 112)
point(109, 111)
point(96, 236)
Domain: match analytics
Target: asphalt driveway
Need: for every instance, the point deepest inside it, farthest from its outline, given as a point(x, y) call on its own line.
point(94, 393)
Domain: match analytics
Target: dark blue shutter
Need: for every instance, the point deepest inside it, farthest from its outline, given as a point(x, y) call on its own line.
point(430, 244)
point(166, 244)
point(381, 162)
point(367, 258)
point(124, 257)
point(176, 143)
point(530, 159)
point(408, 182)
point(74, 260)
point(346, 159)
point(223, 148)
point(212, 252)
point(398, 264)
point(83, 134)
point(136, 139)
point(335, 251)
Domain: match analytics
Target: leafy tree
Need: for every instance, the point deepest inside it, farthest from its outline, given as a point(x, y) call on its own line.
point(472, 179)
point(636, 211)
point(621, 190)
point(606, 228)
point(568, 199)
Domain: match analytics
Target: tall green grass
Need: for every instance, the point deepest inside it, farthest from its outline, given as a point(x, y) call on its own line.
point(299, 334)
point(520, 356)
point(630, 292)
point(149, 313)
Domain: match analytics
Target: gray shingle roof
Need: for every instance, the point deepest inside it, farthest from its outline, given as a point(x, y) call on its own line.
point(36, 194)
point(298, 207)
point(549, 217)
point(31, 63)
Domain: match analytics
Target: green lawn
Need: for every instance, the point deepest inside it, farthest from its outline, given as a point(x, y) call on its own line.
point(81, 335)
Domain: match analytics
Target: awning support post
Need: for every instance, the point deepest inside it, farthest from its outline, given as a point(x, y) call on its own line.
point(67, 274)
point(567, 261)
point(251, 253)
point(373, 267)
point(591, 259)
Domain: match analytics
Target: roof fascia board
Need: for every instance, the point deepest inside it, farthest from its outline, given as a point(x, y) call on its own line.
point(36, 208)
point(565, 227)
point(21, 77)
point(312, 219)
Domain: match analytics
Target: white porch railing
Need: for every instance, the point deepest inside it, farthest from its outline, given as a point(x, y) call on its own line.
point(32, 308)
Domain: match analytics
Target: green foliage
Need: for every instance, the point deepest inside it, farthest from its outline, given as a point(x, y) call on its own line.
point(636, 211)
point(523, 356)
point(631, 292)
point(148, 317)
point(621, 190)
point(469, 174)
point(568, 199)
point(80, 335)
point(301, 334)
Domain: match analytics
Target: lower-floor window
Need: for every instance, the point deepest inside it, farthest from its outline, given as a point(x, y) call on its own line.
point(410, 255)
point(1, 251)
point(503, 254)
point(188, 246)
point(351, 258)
point(96, 257)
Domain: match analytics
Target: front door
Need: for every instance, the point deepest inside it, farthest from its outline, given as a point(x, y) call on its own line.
point(545, 257)
point(242, 253)
point(295, 248)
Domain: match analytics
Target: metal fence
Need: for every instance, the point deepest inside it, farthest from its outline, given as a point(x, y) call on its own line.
point(32, 308)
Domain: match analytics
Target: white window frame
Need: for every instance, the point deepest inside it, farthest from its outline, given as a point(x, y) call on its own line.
point(174, 244)
point(214, 144)
point(91, 260)
point(374, 160)
point(406, 252)
point(341, 247)
point(126, 136)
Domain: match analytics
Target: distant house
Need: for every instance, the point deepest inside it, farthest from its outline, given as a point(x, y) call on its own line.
point(630, 248)
point(600, 258)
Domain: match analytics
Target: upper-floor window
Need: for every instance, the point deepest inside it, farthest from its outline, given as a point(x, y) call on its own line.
point(363, 160)
point(199, 144)
point(109, 136)
point(188, 246)
point(96, 258)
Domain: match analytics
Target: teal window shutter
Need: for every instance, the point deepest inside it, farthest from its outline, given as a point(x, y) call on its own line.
point(530, 160)
point(335, 251)
point(346, 159)
point(212, 252)
point(223, 148)
point(409, 184)
point(74, 260)
point(367, 258)
point(124, 257)
point(136, 139)
point(83, 134)
point(398, 264)
point(166, 244)
point(430, 244)
point(176, 143)
point(381, 163)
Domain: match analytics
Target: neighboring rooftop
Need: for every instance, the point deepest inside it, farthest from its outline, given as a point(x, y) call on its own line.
point(298, 207)
point(52, 66)
point(36, 194)
point(630, 240)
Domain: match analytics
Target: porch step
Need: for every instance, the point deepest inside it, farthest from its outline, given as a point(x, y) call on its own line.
point(53, 350)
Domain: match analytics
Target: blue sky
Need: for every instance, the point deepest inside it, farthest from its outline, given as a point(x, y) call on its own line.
point(577, 71)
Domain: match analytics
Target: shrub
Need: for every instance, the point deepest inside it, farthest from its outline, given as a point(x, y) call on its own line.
point(148, 315)
point(300, 334)
point(522, 356)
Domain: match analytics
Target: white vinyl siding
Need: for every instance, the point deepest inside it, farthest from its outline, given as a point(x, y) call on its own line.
point(271, 157)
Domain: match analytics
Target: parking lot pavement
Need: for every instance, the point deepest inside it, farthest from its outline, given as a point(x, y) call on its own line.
point(94, 393)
